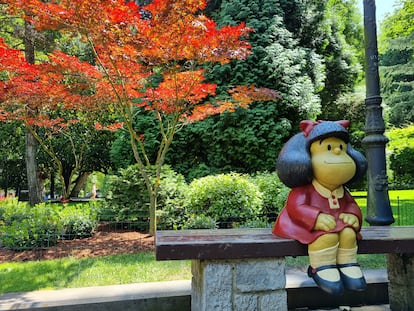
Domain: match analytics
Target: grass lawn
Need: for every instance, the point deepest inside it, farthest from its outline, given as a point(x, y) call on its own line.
point(111, 270)
point(401, 201)
point(98, 271)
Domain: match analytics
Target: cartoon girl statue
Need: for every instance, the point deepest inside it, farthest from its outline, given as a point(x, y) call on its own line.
point(319, 210)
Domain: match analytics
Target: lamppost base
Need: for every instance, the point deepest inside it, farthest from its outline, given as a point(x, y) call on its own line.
point(380, 221)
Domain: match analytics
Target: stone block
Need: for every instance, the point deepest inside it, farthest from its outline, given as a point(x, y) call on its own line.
point(239, 284)
point(212, 285)
point(245, 302)
point(260, 275)
point(275, 301)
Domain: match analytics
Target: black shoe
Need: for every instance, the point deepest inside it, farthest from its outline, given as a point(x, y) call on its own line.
point(333, 288)
point(357, 284)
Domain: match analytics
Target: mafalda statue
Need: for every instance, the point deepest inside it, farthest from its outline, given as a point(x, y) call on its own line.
point(319, 210)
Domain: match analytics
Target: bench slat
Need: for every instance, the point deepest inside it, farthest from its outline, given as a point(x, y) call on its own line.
point(261, 243)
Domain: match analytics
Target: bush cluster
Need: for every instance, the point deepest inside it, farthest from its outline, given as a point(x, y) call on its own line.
point(274, 193)
point(403, 170)
point(229, 199)
point(79, 220)
point(224, 200)
point(26, 227)
point(126, 198)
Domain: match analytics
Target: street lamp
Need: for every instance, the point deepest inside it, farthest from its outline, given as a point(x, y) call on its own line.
point(378, 203)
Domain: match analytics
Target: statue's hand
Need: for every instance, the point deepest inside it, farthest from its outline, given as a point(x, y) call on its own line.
point(350, 219)
point(325, 222)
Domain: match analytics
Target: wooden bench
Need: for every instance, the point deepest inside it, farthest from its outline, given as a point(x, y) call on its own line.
point(244, 269)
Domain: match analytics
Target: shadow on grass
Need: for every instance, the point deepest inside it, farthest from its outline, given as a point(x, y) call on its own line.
point(96, 271)
point(29, 276)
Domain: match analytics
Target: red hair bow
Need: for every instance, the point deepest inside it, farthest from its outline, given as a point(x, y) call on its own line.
point(307, 125)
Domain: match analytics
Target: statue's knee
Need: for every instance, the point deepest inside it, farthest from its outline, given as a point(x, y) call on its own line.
point(324, 241)
point(347, 238)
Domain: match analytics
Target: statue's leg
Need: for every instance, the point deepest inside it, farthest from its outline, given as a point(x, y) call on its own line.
point(349, 269)
point(323, 269)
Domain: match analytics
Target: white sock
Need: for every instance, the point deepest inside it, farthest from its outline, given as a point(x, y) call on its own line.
point(323, 257)
point(349, 255)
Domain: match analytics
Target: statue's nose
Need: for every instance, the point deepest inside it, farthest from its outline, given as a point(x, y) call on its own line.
point(337, 150)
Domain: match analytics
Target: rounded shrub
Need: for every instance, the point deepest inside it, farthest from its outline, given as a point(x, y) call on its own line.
point(274, 193)
point(78, 221)
point(200, 222)
point(230, 199)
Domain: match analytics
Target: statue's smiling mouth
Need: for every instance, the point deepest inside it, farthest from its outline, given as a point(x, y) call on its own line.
point(337, 162)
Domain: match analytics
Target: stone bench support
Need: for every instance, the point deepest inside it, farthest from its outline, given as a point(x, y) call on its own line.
point(401, 281)
point(239, 284)
point(244, 269)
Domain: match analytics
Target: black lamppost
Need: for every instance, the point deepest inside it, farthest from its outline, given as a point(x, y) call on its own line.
point(378, 203)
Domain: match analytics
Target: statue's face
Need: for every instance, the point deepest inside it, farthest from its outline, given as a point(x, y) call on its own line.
point(332, 166)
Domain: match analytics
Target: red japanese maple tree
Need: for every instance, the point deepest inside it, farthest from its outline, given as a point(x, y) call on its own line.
point(46, 96)
point(133, 44)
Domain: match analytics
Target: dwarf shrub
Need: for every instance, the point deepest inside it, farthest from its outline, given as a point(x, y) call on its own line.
point(200, 222)
point(25, 227)
point(126, 198)
point(230, 199)
point(274, 193)
point(78, 220)
point(28, 227)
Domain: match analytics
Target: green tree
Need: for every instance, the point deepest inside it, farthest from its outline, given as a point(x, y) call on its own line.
point(277, 58)
point(12, 164)
point(248, 141)
point(341, 46)
point(310, 51)
point(78, 151)
point(401, 154)
point(245, 141)
point(397, 24)
point(396, 46)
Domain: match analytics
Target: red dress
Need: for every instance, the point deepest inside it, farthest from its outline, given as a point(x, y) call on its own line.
point(298, 217)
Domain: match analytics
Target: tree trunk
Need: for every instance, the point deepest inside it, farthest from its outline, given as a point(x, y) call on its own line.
point(31, 167)
point(31, 143)
point(29, 50)
point(52, 185)
point(152, 212)
point(79, 184)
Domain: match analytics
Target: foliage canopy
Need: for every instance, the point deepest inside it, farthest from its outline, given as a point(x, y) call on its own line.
point(147, 57)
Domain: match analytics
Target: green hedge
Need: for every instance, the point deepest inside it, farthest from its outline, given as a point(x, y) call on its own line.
point(274, 193)
point(78, 220)
point(26, 227)
point(224, 200)
point(126, 199)
point(229, 199)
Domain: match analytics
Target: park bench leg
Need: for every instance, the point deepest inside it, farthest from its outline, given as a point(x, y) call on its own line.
point(239, 284)
point(401, 281)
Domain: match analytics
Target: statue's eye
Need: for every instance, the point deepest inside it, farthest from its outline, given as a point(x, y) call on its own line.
point(341, 147)
point(329, 147)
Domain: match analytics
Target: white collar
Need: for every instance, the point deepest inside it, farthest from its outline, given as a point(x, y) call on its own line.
point(332, 196)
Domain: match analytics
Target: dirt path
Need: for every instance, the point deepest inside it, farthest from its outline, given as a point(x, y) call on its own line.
point(105, 241)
